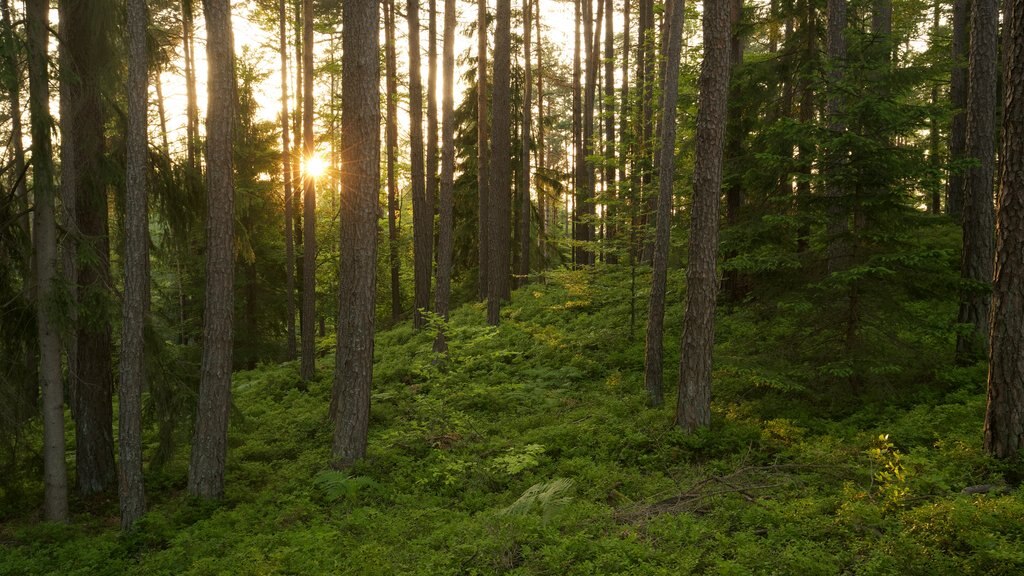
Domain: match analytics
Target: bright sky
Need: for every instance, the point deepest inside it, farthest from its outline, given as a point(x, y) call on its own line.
point(556, 18)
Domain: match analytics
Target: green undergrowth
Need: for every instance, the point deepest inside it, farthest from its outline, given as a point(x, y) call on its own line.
point(529, 449)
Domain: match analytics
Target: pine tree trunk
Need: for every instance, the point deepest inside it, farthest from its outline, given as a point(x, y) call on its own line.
point(136, 273)
point(360, 154)
point(693, 409)
point(286, 176)
point(646, 44)
point(392, 150)
point(10, 59)
point(87, 55)
point(191, 98)
point(432, 158)
point(499, 212)
point(483, 175)
point(446, 221)
point(524, 172)
point(958, 102)
point(55, 481)
point(542, 201)
point(210, 436)
point(308, 364)
point(422, 215)
point(653, 351)
point(610, 191)
point(934, 148)
point(837, 229)
point(1004, 416)
point(978, 212)
point(577, 131)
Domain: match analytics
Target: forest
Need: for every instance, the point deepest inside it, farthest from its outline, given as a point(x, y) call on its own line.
point(492, 287)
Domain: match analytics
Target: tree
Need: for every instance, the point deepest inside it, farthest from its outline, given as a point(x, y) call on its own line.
point(524, 152)
point(958, 101)
point(391, 151)
point(86, 56)
point(422, 214)
point(499, 210)
point(666, 170)
point(978, 213)
point(209, 439)
point(838, 251)
point(308, 367)
point(446, 206)
point(360, 155)
point(693, 409)
point(45, 247)
point(136, 274)
point(1004, 416)
point(286, 176)
point(482, 152)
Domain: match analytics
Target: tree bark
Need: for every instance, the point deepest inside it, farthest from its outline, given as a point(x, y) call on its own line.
point(958, 102)
point(1004, 415)
point(837, 228)
point(653, 380)
point(542, 201)
point(87, 54)
point(482, 152)
point(10, 58)
point(136, 273)
point(432, 159)
point(55, 480)
point(499, 212)
point(446, 222)
point(210, 436)
point(422, 215)
point(360, 155)
point(524, 172)
point(610, 190)
point(392, 150)
point(978, 212)
point(693, 408)
point(577, 129)
point(308, 363)
point(286, 176)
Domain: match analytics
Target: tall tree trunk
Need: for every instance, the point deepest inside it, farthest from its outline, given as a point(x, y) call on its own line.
point(524, 172)
point(286, 168)
point(577, 128)
point(446, 221)
point(805, 152)
point(297, 150)
point(308, 364)
point(391, 74)
point(542, 235)
point(693, 409)
point(136, 273)
point(647, 42)
point(87, 56)
point(736, 130)
point(482, 152)
point(978, 212)
point(431, 160)
point(499, 212)
point(610, 192)
point(360, 154)
point(934, 150)
point(422, 215)
point(55, 481)
point(837, 228)
point(1004, 416)
point(210, 436)
point(161, 112)
point(585, 178)
point(653, 380)
point(958, 101)
point(191, 97)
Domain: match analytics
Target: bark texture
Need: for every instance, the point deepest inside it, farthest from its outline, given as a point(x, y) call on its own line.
point(958, 101)
point(391, 131)
point(1004, 416)
point(360, 159)
point(422, 215)
point(210, 437)
point(286, 176)
point(653, 351)
point(308, 364)
point(483, 173)
point(55, 481)
point(499, 212)
point(978, 211)
point(524, 153)
point(693, 408)
point(446, 222)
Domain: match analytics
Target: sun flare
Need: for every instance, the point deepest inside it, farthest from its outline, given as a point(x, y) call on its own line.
point(315, 166)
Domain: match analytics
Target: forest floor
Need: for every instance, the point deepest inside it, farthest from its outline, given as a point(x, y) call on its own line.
point(530, 450)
